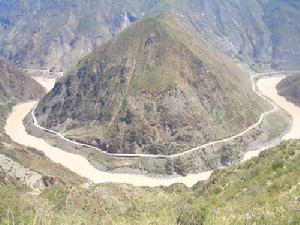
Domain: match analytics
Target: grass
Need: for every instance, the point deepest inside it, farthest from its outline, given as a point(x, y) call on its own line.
point(263, 190)
point(260, 191)
point(159, 61)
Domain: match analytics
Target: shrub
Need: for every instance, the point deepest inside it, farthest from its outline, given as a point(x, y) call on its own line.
point(192, 216)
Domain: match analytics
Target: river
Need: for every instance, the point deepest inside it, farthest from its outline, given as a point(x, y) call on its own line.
point(80, 165)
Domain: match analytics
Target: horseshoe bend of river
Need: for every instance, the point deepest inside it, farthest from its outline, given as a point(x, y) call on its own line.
point(80, 165)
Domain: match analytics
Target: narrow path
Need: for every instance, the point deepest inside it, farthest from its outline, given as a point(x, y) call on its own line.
point(274, 108)
point(80, 165)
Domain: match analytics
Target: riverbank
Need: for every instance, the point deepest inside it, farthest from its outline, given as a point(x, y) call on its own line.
point(80, 165)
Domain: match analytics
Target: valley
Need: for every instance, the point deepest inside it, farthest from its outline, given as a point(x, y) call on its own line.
point(270, 177)
point(139, 112)
point(78, 164)
point(151, 91)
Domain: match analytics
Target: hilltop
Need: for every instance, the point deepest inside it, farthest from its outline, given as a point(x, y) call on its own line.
point(155, 88)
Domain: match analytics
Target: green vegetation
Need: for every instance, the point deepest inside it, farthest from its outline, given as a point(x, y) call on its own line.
point(3, 99)
point(156, 83)
point(10, 195)
point(264, 190)
point(155, 88)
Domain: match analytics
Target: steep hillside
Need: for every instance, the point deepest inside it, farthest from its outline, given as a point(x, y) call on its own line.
point(17, 86)
point(264, 190)
point(290, 88)
point(155, 88)
point(262, 33)
point(56, 34)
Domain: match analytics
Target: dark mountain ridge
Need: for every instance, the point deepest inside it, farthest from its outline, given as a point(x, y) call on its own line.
point(56, 34)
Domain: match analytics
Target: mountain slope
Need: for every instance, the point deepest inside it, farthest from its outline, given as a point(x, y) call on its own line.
point(155, 88)
point(262, 33)
point(17, 86)
point(264, 190)
point(56, 34)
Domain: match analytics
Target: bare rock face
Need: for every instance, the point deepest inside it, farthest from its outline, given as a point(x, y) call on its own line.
point(16, 85)
point(155, 88)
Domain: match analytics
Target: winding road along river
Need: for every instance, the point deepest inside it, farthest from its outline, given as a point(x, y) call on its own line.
point(80, 165)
